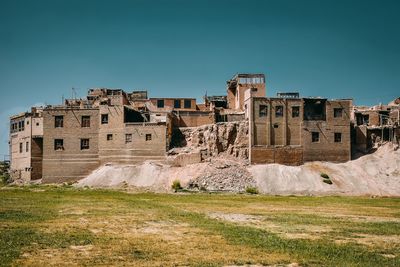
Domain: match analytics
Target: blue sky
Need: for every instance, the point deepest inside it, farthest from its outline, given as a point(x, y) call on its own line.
point(181, 48)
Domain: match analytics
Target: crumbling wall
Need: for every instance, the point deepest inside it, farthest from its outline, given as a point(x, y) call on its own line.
point(226, 138)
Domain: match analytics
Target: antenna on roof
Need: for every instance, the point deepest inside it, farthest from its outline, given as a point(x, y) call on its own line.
point(73, 93)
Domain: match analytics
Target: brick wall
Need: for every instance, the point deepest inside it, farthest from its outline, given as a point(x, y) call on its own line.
point(71, 163)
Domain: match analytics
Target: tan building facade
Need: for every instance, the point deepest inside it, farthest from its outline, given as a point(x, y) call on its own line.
point(110, 126)
point(296, 130)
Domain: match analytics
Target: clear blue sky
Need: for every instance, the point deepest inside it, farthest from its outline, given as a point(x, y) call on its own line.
point(180, 48)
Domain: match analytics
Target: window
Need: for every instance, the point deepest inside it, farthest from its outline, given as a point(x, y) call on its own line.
point(85, 121)
point(263, 111)
point(84, 144)
point(37, 124)
point(160, 103)
point(59, 121)
point(58, 144)
point(109, 137)
point(295, 112)
point(337, 112)
point(187, 103)
point(177, 103)
point(128, 138)
point(21, 125)
point(338, 137)
point(315, 137)
point(27, 122)
point(278, 111)
point(104, 118)
point(148, 137)
point(20, 147)
point(27, 146)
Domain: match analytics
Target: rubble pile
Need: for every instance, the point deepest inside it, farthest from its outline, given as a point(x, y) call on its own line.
point(223, 175)
point(228, 138)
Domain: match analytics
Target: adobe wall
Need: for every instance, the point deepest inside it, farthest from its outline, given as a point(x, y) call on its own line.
point(327, 149)
point(280, 155)
point(169, 103)
point(193, 119)
point(272, 130)
point(20, 167)
point(139, 149)
point(71, 163)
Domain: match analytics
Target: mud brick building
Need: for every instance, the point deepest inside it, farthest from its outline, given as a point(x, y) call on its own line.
point(67, 142)
point(296, 130)
point(375, 124)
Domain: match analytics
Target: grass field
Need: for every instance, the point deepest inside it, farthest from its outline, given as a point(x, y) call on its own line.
point(44, 226)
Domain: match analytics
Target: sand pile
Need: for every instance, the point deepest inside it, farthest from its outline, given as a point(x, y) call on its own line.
point(373, 174)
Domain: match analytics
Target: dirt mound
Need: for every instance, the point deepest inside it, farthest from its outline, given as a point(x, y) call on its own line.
point(223, 175)
point(373, 174)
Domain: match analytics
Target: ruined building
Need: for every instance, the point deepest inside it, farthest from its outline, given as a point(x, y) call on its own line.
point(293, 130)
point(110, 126)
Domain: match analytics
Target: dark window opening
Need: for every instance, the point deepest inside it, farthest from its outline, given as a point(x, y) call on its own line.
point(84, 144)
point(128, 138)
point(337, 112)
point(338, 137)
point(58, 144)
point(160, 103)
point(59, 121)
point(21, 126)
point(263, 112)
point(177, 103)
point(187, 103)
point(37, 124)
point(314, 109)
point(315, 137)
point(295, 112)
point(85, 121)
point(362, 119)
point(131, 115)
point(148, 137)
point(276, 125)
point(278, 111)
point(27, 146)
point(109, 137)
point(104, 118)
point(20, 147)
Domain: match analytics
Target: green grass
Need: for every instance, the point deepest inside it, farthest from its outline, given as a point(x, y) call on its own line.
point(45, 225)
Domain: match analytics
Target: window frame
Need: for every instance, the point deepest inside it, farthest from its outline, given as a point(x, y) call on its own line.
point(177, 103)
point(59, 121)
point(104, 118)
point(335, 135)
point(85, 143)
point(340, 110)
point(279, 107)
point(298, 111)
point(60, 145)
point(109, 137)
point(128, 140)
point(85, 121)
point(260, 109)
point(187, 103)
point(160, 103)
point(313, 140)
point(148, 137)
